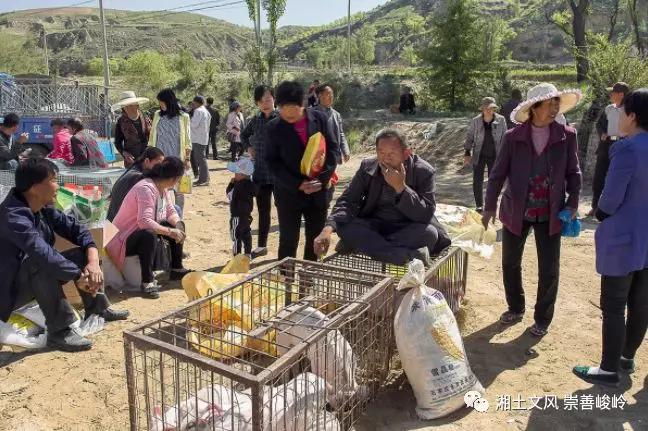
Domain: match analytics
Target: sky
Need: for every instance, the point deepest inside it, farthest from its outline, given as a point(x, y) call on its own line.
point(298, 12)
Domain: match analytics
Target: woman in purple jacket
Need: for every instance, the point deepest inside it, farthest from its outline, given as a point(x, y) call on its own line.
point(622, 246)
point(539, 165)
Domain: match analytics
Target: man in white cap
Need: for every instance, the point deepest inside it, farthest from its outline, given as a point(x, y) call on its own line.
point(133, 127)
point(483, 141)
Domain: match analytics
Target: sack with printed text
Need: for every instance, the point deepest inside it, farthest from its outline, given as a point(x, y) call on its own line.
point(431, 349)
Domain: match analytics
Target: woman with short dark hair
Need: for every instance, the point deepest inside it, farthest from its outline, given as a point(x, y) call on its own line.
point(302, 153)
point(622, 246)
point(85, 149)
point(255, 138)
point(147, 220)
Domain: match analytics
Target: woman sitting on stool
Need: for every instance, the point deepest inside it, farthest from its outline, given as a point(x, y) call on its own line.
point(147, 220)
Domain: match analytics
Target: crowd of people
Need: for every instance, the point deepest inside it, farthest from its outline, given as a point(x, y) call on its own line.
point(288, 153)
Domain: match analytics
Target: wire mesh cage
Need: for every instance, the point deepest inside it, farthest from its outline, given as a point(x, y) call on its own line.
point(448, 272)
point(104, 179)
point(298, 346)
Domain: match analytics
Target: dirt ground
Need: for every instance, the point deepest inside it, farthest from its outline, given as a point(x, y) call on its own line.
point(87, 391)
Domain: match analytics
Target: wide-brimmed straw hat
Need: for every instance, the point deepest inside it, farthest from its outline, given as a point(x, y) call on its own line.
point(568, 100)
point(127, 98)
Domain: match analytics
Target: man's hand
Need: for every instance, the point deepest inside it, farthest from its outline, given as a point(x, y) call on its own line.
point(128, 157)
point(251, 152)
point(92, 274)
point(487, 218)
point(467, 160)
point(24, 137)
point(394, 177)
point(604, 137)
point(310, 187)
point(346, 158)
point(323, 241)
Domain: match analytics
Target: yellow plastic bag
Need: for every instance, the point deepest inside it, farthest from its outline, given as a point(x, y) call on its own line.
point(239, 264)
point(241, 308)
point(185, 185)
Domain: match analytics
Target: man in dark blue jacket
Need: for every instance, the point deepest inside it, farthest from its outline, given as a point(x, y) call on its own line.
point(31, 268)
point(387, 211)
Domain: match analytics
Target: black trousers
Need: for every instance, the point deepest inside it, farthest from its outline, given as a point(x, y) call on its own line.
point(241, 234)
point(290, 218)
point(600, 170)
point(478, 178)
point(264, 207)
point(213, 141)
point(236, 149)
point(621, 336)
point(548, 249)
point(143, 243)
point(387, 241)
point(36, 282)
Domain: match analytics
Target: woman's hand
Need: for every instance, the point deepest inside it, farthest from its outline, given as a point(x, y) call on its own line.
point(128, 157)
point(310, 187)
point(487, 218)
point(177, 235)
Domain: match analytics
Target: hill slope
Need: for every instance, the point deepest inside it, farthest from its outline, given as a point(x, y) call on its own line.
point(74, 34)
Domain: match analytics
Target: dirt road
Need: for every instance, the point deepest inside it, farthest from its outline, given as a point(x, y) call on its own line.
point(87, 391)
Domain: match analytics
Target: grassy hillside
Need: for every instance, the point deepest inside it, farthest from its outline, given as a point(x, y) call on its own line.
point(74, 35)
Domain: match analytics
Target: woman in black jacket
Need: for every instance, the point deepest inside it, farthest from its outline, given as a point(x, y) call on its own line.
point(298, 193)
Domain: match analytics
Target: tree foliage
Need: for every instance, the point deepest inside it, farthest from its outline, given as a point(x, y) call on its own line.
point(149, 71)
point(455, 55)
point(363, 46)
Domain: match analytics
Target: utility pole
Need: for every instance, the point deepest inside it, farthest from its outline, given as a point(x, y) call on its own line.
point(106, 67)
point(47, 69)
point(349, 37)
point(258, 24)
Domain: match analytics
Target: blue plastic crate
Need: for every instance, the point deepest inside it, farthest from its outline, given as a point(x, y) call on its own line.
point(108, 151)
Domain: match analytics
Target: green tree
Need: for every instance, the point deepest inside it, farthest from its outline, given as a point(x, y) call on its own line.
point(363, 46)
point(409, 55)
point(315, 56)
point(148, 71)
point(609, 62)
point(454, 57)
point(274, 10)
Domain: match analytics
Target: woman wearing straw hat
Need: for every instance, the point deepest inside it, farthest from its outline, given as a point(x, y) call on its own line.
point(133, 127)
point(539, 164)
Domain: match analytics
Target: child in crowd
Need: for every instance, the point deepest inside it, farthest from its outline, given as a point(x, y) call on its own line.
point(241, 191)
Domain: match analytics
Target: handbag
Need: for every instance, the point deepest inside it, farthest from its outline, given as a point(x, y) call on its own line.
point(162, 257)
point(314, 159)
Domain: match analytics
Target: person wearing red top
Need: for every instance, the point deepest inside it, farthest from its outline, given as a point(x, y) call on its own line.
point(296, 194)
point(62, 142)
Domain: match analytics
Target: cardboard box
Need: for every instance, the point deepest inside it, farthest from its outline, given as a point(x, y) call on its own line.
point(102, 236)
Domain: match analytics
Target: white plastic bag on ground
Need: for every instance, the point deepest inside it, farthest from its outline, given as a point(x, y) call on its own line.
point(20, 339)
point(129, 279)
point(289, 407)
point(431, 349)
point(26, 324)
point(466, 230)
point(331, 357)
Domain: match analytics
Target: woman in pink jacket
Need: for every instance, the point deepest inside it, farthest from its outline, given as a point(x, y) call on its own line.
point(147, 220)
